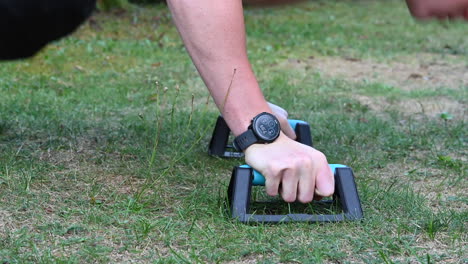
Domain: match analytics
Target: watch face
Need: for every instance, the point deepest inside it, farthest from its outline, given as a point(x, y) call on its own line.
point(266, 127)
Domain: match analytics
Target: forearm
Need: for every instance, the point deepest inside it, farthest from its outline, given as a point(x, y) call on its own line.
point(214, 35)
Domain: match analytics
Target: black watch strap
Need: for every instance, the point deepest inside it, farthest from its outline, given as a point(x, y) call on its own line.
point(244, 140)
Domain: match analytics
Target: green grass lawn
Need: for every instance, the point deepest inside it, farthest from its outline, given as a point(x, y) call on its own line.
point(104, 134)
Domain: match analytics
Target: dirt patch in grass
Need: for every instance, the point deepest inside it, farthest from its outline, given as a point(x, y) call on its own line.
point(77, 151)
point(420, 72)
point(427, 107)
point(254, 258)
point(442, 193)
point(441, 250)
point(424, 72)
point(441, 189)
point(5, 222)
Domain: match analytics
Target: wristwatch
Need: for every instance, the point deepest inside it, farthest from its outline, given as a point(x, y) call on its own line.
point(265, 128)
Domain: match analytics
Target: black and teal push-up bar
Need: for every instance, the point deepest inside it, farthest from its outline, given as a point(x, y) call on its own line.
point(244, 178)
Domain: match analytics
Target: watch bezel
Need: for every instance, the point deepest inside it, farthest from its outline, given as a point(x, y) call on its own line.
point(260, 133)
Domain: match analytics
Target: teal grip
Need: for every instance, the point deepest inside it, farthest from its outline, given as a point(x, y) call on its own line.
point(259, 179)
point(293, 123)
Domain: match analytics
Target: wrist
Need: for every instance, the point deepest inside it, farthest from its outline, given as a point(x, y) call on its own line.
point(241, 101)
point(252, 148)
point(240, 119)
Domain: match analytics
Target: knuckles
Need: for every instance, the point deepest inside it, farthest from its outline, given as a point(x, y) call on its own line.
point(274, 169)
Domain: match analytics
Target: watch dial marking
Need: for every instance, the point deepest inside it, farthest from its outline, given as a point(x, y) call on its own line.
point(267, 127)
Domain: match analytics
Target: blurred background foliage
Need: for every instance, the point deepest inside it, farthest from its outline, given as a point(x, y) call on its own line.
point(106, 5)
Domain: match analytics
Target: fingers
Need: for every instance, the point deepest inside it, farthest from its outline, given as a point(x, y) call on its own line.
point(306, 186)
point(272, 184)
point(289, 186)
point(278, 110)
point(325, 182)
point(288, 182)
point(287, 129)
point(303, 182)
point(316, 183)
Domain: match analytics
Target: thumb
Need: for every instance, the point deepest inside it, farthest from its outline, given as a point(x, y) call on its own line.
point(288, 130)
